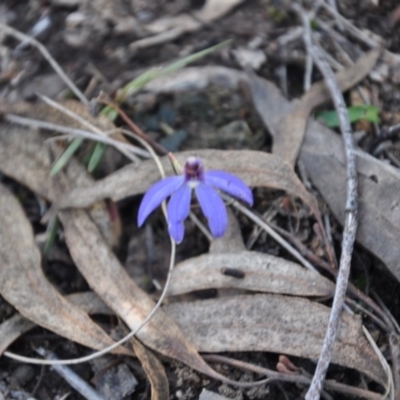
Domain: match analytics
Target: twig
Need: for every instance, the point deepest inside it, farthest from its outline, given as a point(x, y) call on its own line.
point(334, 64)
point(74, 380)
point(104, 99)
point(274, 375)
point(308, 73)
point(307, 253)
point(201, 226)
point(34, 123)
point(259, 221)
point(350, 223)
point(386, 310)
point(389, 388)
point(385, 134)
point(338, 40)
point(309, 63)
point(332, 4)
point(349, 26)
point(22, 37)
point(359, 307)
point(82, 121)
point(267, 217)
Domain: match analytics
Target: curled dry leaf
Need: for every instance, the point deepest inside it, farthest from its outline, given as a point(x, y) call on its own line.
point(264, 322)
point(24, 285)
point(154, 370)
point(379, 184)
point(262, 273)
point(254, 167)
point(12, 328)
point(287, 122)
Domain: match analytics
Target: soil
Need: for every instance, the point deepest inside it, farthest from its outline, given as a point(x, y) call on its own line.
point(95, 47)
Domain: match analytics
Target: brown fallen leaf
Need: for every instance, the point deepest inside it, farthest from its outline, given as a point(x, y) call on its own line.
point(172, 27)
point(154, 370)
point(262, 273)
point(92, 255)
point(288, 132)
point(24, 157)
point(280, 324)
point(254, 167)
point(109, 280)
point(379, 184)
point(197, 78)
point(12, 328)
point(24, 285)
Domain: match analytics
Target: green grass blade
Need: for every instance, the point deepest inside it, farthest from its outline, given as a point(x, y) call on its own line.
point(96, 157)
point(129, 89)
point(51, 233)
point(66, 156)
point(143, 79)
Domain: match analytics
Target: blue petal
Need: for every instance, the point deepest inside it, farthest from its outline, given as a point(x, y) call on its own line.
point(178, 209)
point(177, 231)
point(230, 184)
point(156, 194)
point(213, 208)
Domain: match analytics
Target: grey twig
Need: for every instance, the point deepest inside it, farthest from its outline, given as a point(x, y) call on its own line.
point(35, 123)
point(71, 377)
point(350, 223)
point(294, 378)
point(350, 28)
point(28, 39)
point(332, 4)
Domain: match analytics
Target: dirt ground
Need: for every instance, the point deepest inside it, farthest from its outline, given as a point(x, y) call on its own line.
point(97, 44)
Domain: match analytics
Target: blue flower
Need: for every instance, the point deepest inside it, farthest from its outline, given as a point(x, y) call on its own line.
point(180, 189)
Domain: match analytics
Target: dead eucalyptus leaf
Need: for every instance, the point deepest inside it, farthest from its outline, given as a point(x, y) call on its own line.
point(17, 325)
point(379, 184)
point(379, 187)
point(26, 158)
point(280, 324)
point(288, 132)
point(93, 256)
point(12, 328)
point(254, 167)
point(172, 27)
point(262, 273)
point(197, 78)
point(154, 370)
point(24, 285)
point(109, 280)
point(211, 10)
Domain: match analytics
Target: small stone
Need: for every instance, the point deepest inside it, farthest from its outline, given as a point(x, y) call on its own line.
point(22, 375)
point(249, 58)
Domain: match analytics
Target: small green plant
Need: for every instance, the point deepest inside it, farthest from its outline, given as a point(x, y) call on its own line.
point(356, 113)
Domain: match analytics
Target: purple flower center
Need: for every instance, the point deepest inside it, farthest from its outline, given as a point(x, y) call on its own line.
point(194, 170)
